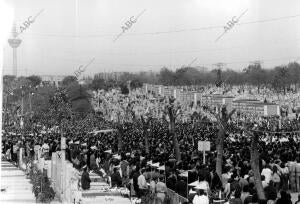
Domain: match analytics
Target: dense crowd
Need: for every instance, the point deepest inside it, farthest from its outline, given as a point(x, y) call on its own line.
point(125, 161)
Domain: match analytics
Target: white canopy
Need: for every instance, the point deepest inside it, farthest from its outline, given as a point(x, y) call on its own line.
point(149, 162)
point(162, 168)
point(156, 165)
point(184, 174)
point(195, 183)
point(108, 151)
point(95, 132)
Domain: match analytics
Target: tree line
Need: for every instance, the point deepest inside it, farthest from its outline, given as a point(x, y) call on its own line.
point(280, 78)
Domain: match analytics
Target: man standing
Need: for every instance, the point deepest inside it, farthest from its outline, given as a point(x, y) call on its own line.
point(200, 198)
point(161, 190)
point(135, 177)
point(85, 179)
point(142, 183)
point(45, 150)
point(116, 179)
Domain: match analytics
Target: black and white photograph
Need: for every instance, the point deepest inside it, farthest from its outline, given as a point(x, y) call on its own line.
point(150, 101)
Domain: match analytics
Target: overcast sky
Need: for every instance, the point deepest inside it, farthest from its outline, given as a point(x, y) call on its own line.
point(169, 33)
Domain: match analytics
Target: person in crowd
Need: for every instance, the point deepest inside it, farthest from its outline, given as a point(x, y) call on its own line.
point(161, 189)
point(245, 193)
point(276, 178)
point(285, 198)
point(267, 172)
point(142, 184)
point(181, 187)
point(298, 201)
point(236, 199)
point(252, 194)
point(116, 179)
point(298, 174)
point(134, 176)
point(85, 179)
point(264, 182)
point(271, 192)
point(45, 150)
point(200, 197)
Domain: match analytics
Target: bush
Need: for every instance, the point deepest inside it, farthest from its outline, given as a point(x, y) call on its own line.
point(41, 186)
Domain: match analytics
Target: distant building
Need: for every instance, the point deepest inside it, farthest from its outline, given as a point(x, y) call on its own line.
point(201, 69)
point(216, 100)
point(109, 75)
point(255, 107)
point(52, 79)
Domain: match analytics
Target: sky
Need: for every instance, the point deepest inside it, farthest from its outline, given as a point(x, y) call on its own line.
point(169, 33)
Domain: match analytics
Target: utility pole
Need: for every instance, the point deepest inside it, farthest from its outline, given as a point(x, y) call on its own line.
point(30, 106)
point(22, 105)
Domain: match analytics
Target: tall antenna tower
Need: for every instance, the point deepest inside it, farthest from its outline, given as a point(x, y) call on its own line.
point(14, 43)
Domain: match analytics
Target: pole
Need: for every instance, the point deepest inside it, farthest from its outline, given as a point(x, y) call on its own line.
point(22, 110)
point(203, 156)
point(5, 110)
point(30, 107)
point(63, 162)
point(15, 70)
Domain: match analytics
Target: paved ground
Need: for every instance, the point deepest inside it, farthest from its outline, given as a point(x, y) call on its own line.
point(15, 188)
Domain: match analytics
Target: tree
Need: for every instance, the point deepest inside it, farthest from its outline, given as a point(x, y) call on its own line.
point(146, 119)
point(41, 99)
point(222, 119)
point(166, 77)
point(68, 80)
point(294, 73)
point(35, 80)
point(124, 89)
point(80, 99)
point(281, 79)
point(98, 84)
point(255, 166)
point(136, 83)
point(173, 111)
point(256, 75)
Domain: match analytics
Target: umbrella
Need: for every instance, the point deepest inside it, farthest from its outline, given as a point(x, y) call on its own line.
point(184, 174)
point(195, 183)
point(156, 165)
point(108, 151)
point(162, 168)
point(149, 162)
point(116, 156)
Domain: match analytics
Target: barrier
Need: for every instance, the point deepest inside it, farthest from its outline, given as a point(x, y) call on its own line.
point(176, 198)
point(64, 179)
point(21, 159)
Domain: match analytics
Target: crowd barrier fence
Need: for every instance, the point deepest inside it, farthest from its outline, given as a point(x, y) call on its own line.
point(64, 178)
point(176, 198)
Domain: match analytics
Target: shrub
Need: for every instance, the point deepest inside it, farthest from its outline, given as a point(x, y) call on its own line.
point(41, 186)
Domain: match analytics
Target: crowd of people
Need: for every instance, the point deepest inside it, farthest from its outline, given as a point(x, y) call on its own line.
point(119, 154)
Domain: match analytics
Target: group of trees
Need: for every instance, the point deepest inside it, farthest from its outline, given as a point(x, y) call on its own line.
point(279, 78)
point(27, 96)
